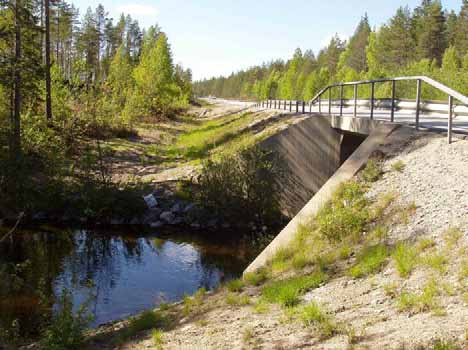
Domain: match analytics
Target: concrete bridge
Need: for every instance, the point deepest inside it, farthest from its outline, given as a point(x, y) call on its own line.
point(335, 139)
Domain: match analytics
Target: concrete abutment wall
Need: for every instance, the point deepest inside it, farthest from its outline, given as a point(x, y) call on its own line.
point(321, 154)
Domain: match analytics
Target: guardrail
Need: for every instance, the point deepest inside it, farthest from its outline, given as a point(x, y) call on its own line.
point(392, 103)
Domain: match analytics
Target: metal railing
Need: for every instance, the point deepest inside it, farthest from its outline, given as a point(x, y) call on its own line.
point(300, 106)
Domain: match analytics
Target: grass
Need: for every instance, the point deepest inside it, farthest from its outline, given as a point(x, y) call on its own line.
point(313, 315)
point(145, 321)
point(421, 302)
point(372, 172)
point(398, 166)
point(436, 261)
point(391, 289)
point(158, 340)
point(261, 307)
point(287, 292)
point(452, 236)
point(369, 261)
point(235, 285)
point(191, 302)
point(256, 278)
point(406, 258)
point(346, 215)
point(197, 142)
point(234, 299)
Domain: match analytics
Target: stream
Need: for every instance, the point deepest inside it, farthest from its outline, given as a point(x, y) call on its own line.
point(118, 274)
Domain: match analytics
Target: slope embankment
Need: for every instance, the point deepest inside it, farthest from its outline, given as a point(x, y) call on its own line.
point(382, 265)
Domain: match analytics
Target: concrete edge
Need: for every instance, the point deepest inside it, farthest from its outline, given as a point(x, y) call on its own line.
point(346, 172)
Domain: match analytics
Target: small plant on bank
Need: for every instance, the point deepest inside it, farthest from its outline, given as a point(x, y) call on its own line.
point(66, 331)
point(234, 299)
point(369, 261)
point(313, 315)
point(406, 259)
point(422, 302)
point(158, 339)
point(146, 320)
point(452, 236)
point(346, 215)
point(287, 292)
point(235, 285)
point(256, 278)
point(372, 172)
point(398, 166)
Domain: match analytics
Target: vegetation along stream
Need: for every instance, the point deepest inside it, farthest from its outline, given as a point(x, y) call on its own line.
point(116, 274)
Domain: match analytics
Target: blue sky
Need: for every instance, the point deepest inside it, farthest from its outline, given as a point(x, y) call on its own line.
point(217, 37)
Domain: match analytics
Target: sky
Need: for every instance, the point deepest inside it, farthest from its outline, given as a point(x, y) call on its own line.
point(216, 38)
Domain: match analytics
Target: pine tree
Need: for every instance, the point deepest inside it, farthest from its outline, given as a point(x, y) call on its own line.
point(354, 56)
point(461, 30)
point(429, 28)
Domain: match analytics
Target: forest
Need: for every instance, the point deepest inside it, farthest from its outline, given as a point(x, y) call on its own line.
point(427, 40)
point(66, 82)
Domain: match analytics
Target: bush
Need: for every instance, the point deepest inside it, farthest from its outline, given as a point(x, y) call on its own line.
point(372, 171)
point(287, 292)
point(369, 261)
point(66, 329)
point(346, 215)
point(242, 188)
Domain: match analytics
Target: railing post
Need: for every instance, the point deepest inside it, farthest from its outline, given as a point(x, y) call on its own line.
point(310, 106)
point(290, 105)
point(297, 106)
point(303, 107)
point(329, 101)
point(450, 120)
point(341, 100)
point(285, 106)
point(418, 102)
point(372, 100)
point(392, 112)
point(355, 100)
point(320, 104)
point(275, 104)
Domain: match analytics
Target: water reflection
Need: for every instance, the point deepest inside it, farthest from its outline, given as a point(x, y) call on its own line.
point(126, 273)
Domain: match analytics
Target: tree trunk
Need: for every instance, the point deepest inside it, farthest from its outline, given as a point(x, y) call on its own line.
point(47, 63)
point(16, 122)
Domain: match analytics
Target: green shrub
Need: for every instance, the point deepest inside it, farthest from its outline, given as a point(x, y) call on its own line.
point(242, 188)
point(256, 278)
point(422, 302)
point(66, 331)
point(369, 261)
point(398, 166)
point(287, 292)
point(372, 171)
point(235, 285)
point(313, 315)
point(406, 258)
point(346, 215)
point(237, 300)
point(146, 320)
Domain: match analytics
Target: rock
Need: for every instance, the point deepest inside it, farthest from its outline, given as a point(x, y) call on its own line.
point(151, 215)
point(177, 221)
point(212, 223)
point(178, 207)
point(167, 216)
point(116, 222)
point(157, 224)
point(39, 216)
point(190, 207)
point(150, 201)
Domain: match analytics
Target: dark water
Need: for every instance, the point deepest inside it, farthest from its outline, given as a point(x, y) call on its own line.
point(124, 272)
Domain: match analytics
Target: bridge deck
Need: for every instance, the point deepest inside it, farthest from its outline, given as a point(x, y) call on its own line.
point(433, 121)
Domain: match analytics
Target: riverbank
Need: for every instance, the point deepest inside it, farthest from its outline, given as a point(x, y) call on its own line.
point(398, 280)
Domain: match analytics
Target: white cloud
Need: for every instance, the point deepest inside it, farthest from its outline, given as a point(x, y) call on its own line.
point(138, 9)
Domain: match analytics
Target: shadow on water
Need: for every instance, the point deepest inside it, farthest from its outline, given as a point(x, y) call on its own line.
point(125, 272)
